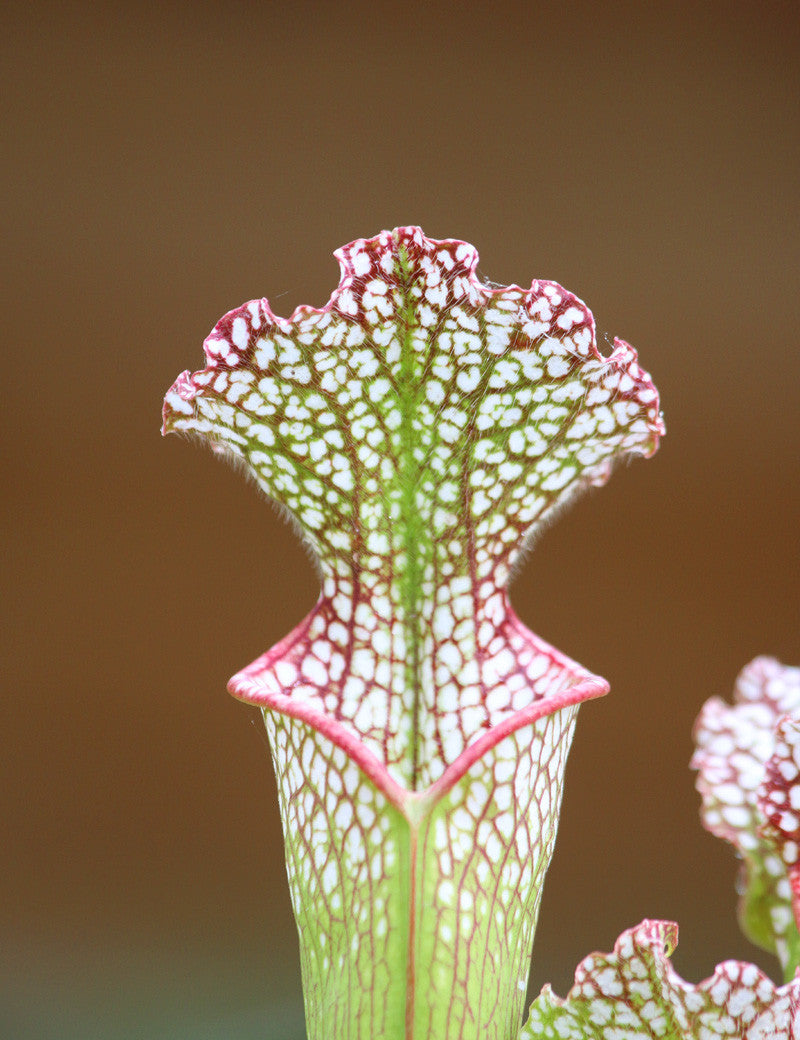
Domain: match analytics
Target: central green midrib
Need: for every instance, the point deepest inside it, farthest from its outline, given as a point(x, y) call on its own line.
point(411, 522)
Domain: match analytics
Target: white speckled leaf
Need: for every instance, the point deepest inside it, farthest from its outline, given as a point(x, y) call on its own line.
point(421, 427)
point(634, 994)
point(734, 745)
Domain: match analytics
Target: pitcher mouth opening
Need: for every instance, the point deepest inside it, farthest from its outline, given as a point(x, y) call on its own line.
point(257, 685)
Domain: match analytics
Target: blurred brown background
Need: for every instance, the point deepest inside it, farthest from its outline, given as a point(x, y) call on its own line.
point(163, 164)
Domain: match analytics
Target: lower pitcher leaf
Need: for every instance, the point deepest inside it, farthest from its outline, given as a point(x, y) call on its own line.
point(634, 994)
